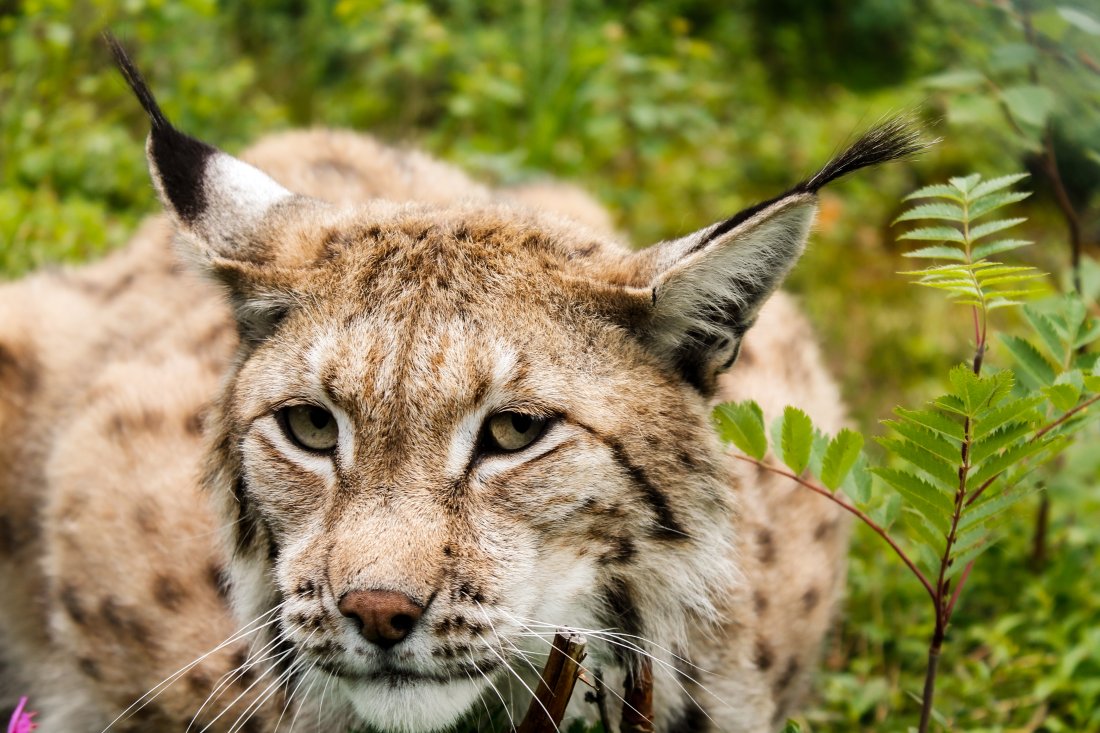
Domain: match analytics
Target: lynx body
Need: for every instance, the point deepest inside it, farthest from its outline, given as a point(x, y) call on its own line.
point(343, 442)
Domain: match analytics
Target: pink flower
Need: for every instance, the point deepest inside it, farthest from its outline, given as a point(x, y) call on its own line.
point(21, 719)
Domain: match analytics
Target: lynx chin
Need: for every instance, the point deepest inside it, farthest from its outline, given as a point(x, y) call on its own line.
point(341, 438)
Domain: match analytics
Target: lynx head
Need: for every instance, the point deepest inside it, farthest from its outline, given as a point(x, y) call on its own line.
point(451, 429)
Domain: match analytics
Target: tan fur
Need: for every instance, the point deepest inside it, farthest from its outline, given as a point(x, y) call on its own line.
point(116, 380)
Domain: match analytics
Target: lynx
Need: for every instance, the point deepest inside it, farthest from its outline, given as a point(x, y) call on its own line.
point(343, 437)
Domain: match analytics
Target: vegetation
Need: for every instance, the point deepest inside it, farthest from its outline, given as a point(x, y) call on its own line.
point(676, 114)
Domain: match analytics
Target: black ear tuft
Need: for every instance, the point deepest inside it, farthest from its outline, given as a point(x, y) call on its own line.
point(178, 160)
point(894, 138)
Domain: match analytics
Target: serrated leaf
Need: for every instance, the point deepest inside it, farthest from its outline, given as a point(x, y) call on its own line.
point(797, 439)
point(965, 183)
point(925, 531)
point(840, 457)
point(959, 562)
point(1063, 396)
point(886, 513)
point(817, 453)
point(986, 204)
point(1028, 104)
point(997, 440)
point(934, 234)
point(1034, 368)
point(965, 541)
point(998, 464)
point(945, 474)
point(951, 403)
point(920, 494)
point(939, 252)
point(936, 190)
point(937, 210)
point(975, 391)
point(996, 247)
point(1092, 383)
point(989, 505)
point(991, 227)
point(742, 423)
point(933, 421)
point(932, 442)
point(1047, 331)
point(857, 484)
point(996, 184)
point(1019, 410)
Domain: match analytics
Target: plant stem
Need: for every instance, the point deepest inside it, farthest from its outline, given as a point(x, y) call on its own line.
point(930, 678)
point(556, 684)
point(851, 510)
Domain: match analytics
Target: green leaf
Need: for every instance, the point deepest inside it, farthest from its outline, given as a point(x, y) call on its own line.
point(1028, 104)
point(1047, 331)
point(1080, 19)
point(936, 190)
point(998, 464)
point(959, 562)
point(989, 505)
point(973, 390)
point(960, 79)
point(934, 234)
point(938, 252)
point(933, 442)
point(997, 440)
point(995, 184)
point(945, 474)
point(937, 210)
point(797, 439)
point(1034, 368)
point(1018, 410)
point(857, 485)
point(925, 531)
point(920, 494)
point(965, 183)
point(991, 227)
point(840, 456)
point(986, 204)
point(1064, 397)
point(996, 247)
point(933, 421)
point(742, 423)
point(886, 513)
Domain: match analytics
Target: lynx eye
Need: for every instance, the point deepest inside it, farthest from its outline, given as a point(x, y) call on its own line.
point(512, 431)
point(310, 427)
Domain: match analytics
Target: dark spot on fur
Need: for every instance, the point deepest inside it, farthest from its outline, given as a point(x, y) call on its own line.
point(169, 592)
point(824, 529)
point(19, 371)
point(194, 422)
point(199, 682)
point(123, 425)
point(447, 550)
point(119, 287)
point(88, 667)
point(125, 623)
point(693, 719)
point(623, 550)
point(759, 602)
point(71, 602)
point(784, 681)
point(621, 612)
point(763, 656)
point(765, 546)
point(145, 517)
point(307, 588)
point(218, 578)
point(810, 599)
point(9, 543)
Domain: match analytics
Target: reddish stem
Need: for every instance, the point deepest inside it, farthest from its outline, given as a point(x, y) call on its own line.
point(851, 510)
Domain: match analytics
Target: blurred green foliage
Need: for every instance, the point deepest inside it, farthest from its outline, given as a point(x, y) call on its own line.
point(676, 114)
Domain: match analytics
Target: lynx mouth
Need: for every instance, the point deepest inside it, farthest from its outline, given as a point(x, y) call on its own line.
point(399, 677)
point(406, 702)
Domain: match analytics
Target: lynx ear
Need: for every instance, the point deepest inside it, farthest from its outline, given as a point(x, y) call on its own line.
point(707, 288)
point(214, 197)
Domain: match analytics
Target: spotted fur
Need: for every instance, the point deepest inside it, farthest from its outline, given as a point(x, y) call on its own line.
point(152, 506)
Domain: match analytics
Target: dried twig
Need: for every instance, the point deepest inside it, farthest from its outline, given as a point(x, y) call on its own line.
point(559, 676)
point(638, 700)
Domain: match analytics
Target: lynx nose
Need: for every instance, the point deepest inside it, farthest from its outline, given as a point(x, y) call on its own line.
point(385, 617)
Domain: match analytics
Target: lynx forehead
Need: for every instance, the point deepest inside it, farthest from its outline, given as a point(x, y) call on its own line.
point(430, 423)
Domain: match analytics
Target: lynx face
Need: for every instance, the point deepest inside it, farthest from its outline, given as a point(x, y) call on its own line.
point(451, 430)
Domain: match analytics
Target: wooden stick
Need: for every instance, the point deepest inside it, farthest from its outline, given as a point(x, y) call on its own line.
point(638, 700)
point(559, 676)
